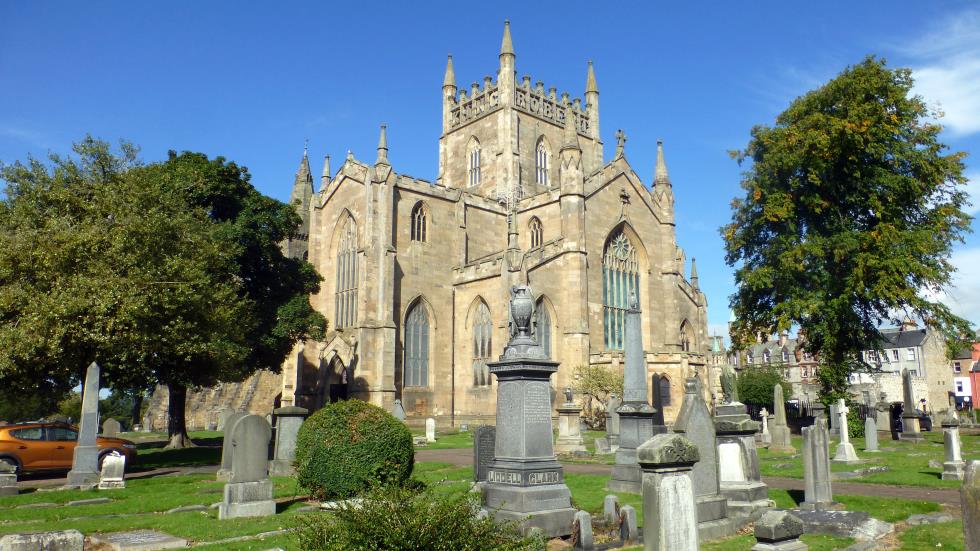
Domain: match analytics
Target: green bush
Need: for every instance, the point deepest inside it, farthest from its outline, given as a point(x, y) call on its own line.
point(756, 384)
point(349, 446)
point(399, 518)
point(855, 426)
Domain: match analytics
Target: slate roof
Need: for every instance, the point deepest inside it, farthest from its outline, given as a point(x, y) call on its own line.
point(896, 338)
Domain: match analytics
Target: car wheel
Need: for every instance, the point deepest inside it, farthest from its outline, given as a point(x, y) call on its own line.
point(7, 461)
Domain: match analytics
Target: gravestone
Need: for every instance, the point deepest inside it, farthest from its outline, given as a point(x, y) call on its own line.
point(910, 419)
point(430, 430)
point(569, 426)
point(484, 440)
point(224, 472)
point(62, 540)
point(8, 479)
point(779, 430)
point(629, 530)
point(525, 482)
point(223, 417)
point(765, 437)
point(142, 540)
point(288, 421)
point(582, 532)
point(249, 490)
point(111, 428)
point(610, 508)
point(695, 423)
point(779, 531)
point(739, 476)
point(113, 472)
point(970, 502)
point(882, 412)
point(816, 466)
point(833, 422)
point(398, 410)
point(636, 416)
point(85, 465)
point(845, 450)
point(602, 446)
point(670, 519)
point(953, 462)
point(612, 420)
point(870, 435)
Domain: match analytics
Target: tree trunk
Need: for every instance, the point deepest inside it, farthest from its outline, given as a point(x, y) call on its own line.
point(135, 418)
point(176, 418)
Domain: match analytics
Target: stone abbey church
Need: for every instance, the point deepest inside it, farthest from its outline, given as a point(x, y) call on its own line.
point(417, 274)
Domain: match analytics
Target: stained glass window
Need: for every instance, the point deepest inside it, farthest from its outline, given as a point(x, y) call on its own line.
point(620, 278)
point(345, 307)
point(417, 347)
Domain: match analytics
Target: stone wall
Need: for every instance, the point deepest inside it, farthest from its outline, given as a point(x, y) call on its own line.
point(257, 395)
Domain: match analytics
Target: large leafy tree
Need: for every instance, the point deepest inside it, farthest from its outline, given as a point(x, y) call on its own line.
point(851, 208)
point(168, 272)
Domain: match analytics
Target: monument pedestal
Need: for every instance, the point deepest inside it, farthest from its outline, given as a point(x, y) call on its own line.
point(740, 479)
point(84, 472)
point(247, 499)
point(636, 426)
point(569, 430)
point(288, 421)
point(846, 454)
point(910, 429)
point(953, 464)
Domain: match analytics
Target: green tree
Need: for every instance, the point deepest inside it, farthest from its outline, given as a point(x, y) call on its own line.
point(161, 273)
point(594, 383)
point(756, 383)
point(851, 208)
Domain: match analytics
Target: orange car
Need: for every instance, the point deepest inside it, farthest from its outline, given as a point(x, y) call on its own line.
point(42, 446)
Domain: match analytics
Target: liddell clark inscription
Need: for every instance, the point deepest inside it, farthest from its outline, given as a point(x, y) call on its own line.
point(533, 479)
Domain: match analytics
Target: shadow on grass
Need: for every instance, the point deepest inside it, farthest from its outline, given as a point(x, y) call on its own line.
point(203, 442)
point(930, 473)
point(281, 506)
point(798, 496)
point(187, 457)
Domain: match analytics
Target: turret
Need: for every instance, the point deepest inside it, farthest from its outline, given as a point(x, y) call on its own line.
point(506, 80)
point(662, 188)
point(325, 176)
point(383, 147)
point(694, 272)
point(448, 94)
point(592, 110)
point(572, 185)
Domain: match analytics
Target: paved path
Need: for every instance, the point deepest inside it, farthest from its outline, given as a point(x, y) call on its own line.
point(947, 496)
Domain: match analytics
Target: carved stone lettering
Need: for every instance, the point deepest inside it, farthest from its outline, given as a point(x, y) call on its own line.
point(537, 404)
point(547, 477)
point(504, 477)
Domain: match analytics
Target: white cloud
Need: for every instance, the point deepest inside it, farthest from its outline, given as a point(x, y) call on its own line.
point(973, 193)
point(963, 296)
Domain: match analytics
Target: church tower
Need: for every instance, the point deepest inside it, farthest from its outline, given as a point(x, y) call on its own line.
point(299, 198)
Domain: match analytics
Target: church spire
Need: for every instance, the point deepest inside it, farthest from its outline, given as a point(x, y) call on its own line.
point(590, 85)
point(506, 46)
point(382, 146)
point(660, 175)
point(450, 79)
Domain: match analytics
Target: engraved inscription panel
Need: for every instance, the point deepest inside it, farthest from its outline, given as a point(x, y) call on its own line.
point(510, 420)
point(537, 420)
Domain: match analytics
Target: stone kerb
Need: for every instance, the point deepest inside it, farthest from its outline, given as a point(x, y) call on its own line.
point(670, 521)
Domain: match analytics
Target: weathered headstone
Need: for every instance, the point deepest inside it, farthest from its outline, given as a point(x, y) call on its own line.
point(569, 426)
point(636, 416)
point(249, 491)
point(816, 466)
point(695, 423)
point(910, 419)
point(845, 450)
point(113, 472)
point(85, 465)
point(870, 435)
point(224, 471)
point(970, 502)
point(779, 430)
point(629, 528)
point(63, 540)
point(8, 479)
point(610, 508)
point(882, 412)
point(430, 430)
point(111, 428)
point(582, 532)
point(288, 421)
point(670, 519)
point(138, 540)
point(398, 410)
point(612, 420)
point(765, 437)
point(525, 482)
point(484, 440)
point(739, 476)
point(224, 415)
point(779, 531)
point(602, 446)
point(953, 461)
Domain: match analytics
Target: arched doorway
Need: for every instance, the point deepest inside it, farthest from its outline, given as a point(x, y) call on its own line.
point(338, 378)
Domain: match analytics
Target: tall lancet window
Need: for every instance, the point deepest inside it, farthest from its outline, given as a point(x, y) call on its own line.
point(542, 327)
point(534, 227)
point(482, 330)
point(685, 337)
point(620, 278)
point(419, 220)
point(417, 346)
point(345, 308)
point(541, 164)
point(474, 166)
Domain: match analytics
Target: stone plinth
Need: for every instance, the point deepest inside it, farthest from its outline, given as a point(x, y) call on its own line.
point(249, 491)
point(845, 450)
point(779, 531)
point(525, 482)
point(85, 464)
point(953, 461)
point(816, 466)
point(740, 479)
point(288, 421)
point(670, 520)
point(569, 429)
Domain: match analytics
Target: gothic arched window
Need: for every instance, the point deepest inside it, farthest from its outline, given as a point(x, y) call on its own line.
point(541, 163)
point(474, 162)
point(536, 231)
point(345, 307)
point(543, 327)
point(685, 337)
point(663, 387)
point(417, 346)
point(620, 279)
point(482, 330)
point(419, 220)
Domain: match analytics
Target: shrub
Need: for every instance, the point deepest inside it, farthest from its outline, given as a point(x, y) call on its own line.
point(756, 383)
point(346, 447)
point(593, 384)
point(855, 425)
point(399, 518)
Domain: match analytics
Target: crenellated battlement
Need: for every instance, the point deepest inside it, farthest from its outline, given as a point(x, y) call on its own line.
point(548, 106)
point(479, 102)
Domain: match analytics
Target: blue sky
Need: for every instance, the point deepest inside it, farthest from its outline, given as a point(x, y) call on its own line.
point(251, 81)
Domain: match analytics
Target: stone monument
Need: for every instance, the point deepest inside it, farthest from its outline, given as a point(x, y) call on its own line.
point(111, 428)
point(779, 531)
point(779, 431)
point(636, 416)
point(739, 475)
point(816, 465)
point(525, 482)
point(845, 450)
point(765, 437)
point(8, 479)
point(569, 426)
point(224, 471)
point(113, 472)
point(85, 465)
point(910, 419)
point(249, 491)
point(970, 502)
point(223, 415)
point(871, 434)
point(430, 430)
point(695, 423)
point(288, 421)
point(612, 420)
point(398, 410)
point(484, 440)
point(670, 517)
point(953, 462)
point(882, 411)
